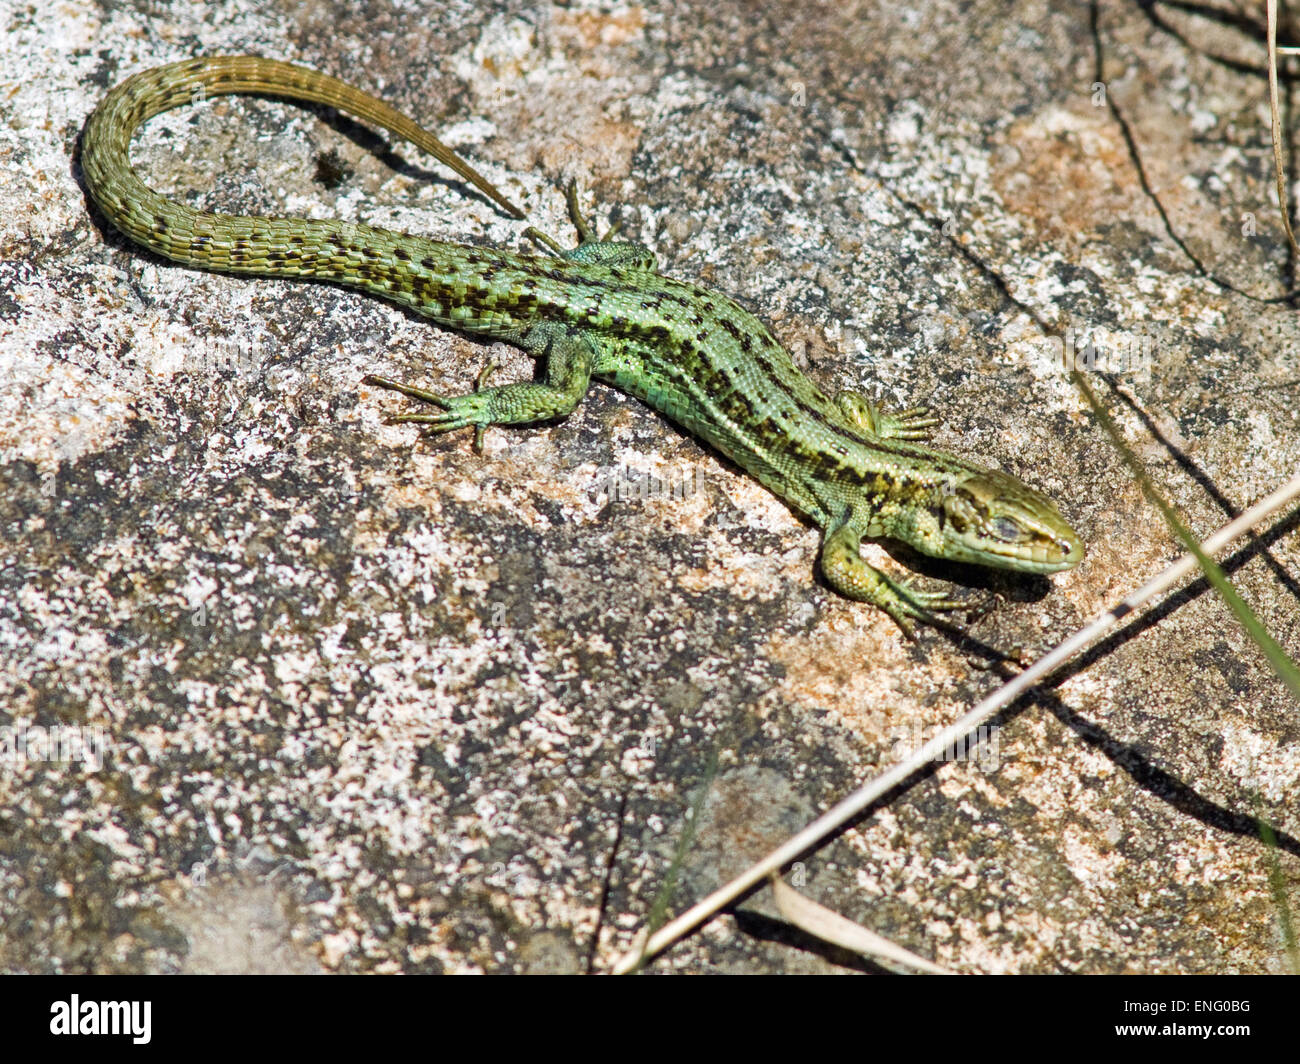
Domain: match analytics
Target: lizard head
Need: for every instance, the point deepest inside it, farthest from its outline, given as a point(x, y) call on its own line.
point(992, 518)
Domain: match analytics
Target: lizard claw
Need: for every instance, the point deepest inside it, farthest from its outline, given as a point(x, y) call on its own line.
point(914, 423)
point(586, 234)
point(407, 389)
point(928, 600)
point(910, 603)
point(457, 411)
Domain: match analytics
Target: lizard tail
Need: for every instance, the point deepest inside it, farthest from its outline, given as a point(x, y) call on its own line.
point(230, 243)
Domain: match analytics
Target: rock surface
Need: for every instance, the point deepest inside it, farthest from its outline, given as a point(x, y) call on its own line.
point(372, 702)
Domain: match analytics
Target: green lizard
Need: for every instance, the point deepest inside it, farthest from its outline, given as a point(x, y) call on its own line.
point(600, 310)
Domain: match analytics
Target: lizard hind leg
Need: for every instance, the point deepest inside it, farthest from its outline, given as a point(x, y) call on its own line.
point(586, 234)
point(569, 357)
point(594, 250)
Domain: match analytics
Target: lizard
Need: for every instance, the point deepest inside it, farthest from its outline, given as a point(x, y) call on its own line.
point(603, 311)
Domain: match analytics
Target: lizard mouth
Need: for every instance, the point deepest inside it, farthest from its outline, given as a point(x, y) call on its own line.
point(1043, 555)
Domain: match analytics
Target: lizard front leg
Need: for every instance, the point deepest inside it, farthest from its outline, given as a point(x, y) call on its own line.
point(914, 423)
point(569, 357)
point(848, 574)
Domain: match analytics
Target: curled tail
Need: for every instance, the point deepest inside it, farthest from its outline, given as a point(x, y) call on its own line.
point(226, 242)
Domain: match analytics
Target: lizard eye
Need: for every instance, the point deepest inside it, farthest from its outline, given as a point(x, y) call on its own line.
point(1009, 530)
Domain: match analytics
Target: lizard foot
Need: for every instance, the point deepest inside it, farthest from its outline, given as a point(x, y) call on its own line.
point(914, 423)
point(586, 234)
point(458, 411)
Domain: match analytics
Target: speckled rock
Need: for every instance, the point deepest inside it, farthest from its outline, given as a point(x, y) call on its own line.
point(350, 699)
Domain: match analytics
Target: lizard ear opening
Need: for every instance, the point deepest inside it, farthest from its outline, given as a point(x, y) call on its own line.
point(961, 509)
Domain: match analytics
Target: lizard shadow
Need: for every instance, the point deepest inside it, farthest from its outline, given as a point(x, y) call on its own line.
point(376, 144)
point(1009, 584)
point(1132, 757)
